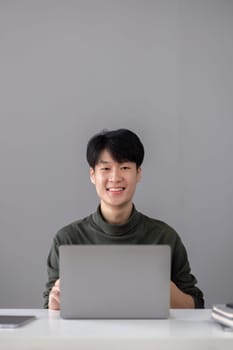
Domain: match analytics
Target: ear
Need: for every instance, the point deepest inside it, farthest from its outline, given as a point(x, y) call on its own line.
point(92, 175)
point(139, 174)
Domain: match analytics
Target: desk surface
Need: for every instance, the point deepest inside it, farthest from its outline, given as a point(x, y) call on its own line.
point(184, 328)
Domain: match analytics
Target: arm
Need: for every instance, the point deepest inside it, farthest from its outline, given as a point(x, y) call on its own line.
point(179, 299)
point(65, 235)
point(184, 292)
point(53, 272)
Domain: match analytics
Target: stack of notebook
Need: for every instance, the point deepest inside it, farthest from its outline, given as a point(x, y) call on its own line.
point(223, 314)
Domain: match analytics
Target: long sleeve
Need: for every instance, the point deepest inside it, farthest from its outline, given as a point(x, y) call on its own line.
point(182, 276)
point(53, 270)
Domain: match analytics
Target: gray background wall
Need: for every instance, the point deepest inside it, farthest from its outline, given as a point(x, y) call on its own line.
point(71, 68)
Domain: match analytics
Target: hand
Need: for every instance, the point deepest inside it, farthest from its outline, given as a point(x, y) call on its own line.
point(54, 296)
point(179, 299)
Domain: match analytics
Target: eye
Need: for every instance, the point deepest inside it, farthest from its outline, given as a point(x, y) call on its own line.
point(125, 167)
point(104, 169)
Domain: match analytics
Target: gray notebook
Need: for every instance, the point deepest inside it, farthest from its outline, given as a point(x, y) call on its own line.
point(115, 281)
point(14, 321)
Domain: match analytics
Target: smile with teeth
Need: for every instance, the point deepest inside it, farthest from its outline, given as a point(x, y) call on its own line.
point(115, 189)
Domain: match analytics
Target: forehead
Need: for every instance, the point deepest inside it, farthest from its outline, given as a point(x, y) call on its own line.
point(105, 157)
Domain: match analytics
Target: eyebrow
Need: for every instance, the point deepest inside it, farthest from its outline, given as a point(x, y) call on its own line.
point(101, 161)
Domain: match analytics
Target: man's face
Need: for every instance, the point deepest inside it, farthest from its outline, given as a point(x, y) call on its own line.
point(115, 182)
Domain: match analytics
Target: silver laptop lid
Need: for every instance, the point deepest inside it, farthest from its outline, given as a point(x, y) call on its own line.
point(115, 281)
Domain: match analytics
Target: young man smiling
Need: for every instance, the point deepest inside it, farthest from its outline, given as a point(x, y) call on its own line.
point(115, 183)
point(115, 159)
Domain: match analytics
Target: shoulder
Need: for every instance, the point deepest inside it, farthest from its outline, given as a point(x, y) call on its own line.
point(159, 224)
point(69, 234)
point(159, 232)
point(163, 232)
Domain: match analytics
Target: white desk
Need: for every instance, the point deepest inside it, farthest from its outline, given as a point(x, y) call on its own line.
point(185, 329)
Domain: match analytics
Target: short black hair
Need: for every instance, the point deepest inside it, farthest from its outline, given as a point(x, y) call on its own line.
point(122, 144)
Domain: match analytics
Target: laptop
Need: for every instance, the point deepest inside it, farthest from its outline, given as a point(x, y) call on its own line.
point(115, 281)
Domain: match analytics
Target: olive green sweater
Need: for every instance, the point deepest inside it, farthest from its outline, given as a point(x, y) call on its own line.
point(139, 229)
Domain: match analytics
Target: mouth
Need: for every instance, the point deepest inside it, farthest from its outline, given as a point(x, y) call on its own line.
point(115, 189)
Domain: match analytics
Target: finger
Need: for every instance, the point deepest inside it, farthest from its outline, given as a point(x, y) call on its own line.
point(57, 283)
point(54, 298)
point(56, 291)
point(54, 302)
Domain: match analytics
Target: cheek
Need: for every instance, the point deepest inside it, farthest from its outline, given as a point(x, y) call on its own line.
point(99, 180)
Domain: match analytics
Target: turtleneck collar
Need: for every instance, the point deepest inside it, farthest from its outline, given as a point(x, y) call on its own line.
point(116, 229)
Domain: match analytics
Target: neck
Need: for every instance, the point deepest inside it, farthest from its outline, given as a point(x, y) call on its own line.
point(116, 215)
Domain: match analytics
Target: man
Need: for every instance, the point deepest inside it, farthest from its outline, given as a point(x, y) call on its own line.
point(115, 159)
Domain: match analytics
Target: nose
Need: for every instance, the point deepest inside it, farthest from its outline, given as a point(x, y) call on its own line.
point(115, 175)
